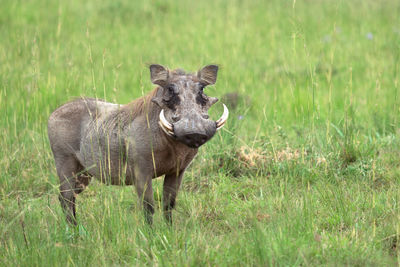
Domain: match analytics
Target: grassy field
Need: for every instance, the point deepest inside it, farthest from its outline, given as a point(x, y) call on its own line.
point(306, 172)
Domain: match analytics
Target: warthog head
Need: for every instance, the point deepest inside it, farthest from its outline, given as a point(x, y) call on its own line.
point(184, 105)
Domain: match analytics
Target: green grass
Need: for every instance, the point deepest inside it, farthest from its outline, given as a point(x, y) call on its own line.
point(310, 175)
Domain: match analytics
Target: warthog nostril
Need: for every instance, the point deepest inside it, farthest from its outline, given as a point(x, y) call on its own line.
point(194, 140)
point(205, 116)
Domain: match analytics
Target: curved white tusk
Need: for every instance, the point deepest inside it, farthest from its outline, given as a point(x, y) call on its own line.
point(167, 132)
point(221, 121)
point(164, 122)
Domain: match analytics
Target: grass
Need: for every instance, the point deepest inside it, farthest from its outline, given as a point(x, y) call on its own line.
point(306, 172)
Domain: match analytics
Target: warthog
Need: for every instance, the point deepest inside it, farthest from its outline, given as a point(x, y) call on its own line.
point(157, 134)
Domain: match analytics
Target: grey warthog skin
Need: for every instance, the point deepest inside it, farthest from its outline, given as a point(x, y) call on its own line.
point(129, 144)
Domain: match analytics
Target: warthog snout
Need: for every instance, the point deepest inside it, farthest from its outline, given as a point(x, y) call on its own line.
point(194, 140)
point(194, 131)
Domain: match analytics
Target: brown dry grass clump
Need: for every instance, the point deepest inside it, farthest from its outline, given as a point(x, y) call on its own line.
point(289, 154)
point(257, 160)
point(252, 157)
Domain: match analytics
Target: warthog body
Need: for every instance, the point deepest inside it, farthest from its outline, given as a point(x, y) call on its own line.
point(158, 134)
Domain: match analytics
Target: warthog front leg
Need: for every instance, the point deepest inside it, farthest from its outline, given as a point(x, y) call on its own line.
point(144, 190)
point(171, 186)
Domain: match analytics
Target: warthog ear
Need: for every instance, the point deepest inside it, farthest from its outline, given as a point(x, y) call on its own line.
point(208, 74)
point(158, 74)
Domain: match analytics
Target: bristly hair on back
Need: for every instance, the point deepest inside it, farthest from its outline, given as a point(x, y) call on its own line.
point(121, 118)
point(137, 106)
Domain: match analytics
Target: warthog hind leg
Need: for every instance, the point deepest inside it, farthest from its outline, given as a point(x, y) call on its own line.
point(72, 182)
point(82, 181)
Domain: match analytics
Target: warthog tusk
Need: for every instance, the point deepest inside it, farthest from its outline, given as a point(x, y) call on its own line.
point(165, 130)
point(165, 125)
point(221, 121)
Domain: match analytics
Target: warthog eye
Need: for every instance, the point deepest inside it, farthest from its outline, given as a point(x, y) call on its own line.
point(171, 89)
point(171, 99)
